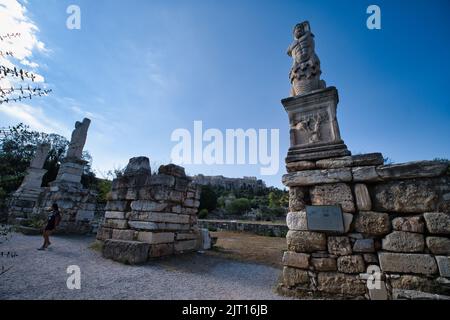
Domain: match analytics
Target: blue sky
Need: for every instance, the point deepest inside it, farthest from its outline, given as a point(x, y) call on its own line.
point(141, 69)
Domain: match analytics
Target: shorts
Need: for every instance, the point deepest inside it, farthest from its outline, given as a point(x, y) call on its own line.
point(49, 227)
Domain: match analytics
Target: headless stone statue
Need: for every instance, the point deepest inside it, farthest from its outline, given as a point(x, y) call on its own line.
point(40, 155)
point(305, 71)
point(78, 139)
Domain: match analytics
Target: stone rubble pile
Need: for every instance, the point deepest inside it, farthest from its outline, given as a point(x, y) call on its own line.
point(151, 215)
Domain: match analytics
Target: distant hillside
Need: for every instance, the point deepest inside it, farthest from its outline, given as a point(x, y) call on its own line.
point(230, 183)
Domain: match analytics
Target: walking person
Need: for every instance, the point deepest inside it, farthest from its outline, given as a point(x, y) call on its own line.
point(53, 221)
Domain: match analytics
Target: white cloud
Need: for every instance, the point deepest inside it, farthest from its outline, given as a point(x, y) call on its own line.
point(34, 117)
point(14, 20)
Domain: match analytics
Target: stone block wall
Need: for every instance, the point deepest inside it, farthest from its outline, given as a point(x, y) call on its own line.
point(396, 219)
point(149, 216)
point(77, 206)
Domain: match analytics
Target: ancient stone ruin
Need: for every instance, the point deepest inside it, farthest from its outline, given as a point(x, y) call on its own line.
point(77, 204)
point(26, 196)
point(357, 227)
point(151, 215)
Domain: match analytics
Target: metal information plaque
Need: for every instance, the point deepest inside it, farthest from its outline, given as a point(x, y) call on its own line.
point(325, 218)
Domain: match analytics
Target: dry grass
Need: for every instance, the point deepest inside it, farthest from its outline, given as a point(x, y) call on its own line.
point(249, 247)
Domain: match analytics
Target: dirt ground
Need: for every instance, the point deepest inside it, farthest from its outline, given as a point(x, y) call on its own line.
point(249, 247)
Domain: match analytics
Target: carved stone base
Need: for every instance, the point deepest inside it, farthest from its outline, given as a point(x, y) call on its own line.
point(317, 152)
point(70, 172)
point(314, 129)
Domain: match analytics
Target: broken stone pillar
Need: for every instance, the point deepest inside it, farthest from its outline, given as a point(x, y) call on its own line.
point(149, 216)
point(24, 199)
point(72, 166)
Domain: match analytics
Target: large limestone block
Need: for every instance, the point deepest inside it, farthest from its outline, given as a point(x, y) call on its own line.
point(367, 159)
point(415, 282)
point(156, 237)
point(298, 198)
point(129, 252)
point(443, 265)
point(300, 166)
point(297, 221)
point(415, 169)
point(365, 174)
point(161, 179)
point(364, 245)
point(438, 245)
point(104, 233)
point(85, 215)
point(191, 203)
point(296, 260)
point(400, 241)
point(147, 205)
point(115, 215)
point(143, 225)
point(172, 170)
point(339, 283)
point(333, 194)
point(407, 263)
point(160, 250)
point(333, 163)
point(117, 205)
point(437, 222)
point(324, 264)
point(173, 226)
point(158, 217)
point(362, 197)
point(415, 196)
point(372, 223)
point(409, 224)
point(118, 234)
point(293, 277)
point(306, 241)
point(351, 264)
point(339, 246)
point(186, 236)
point(181, 184)
point(186, 245)
point(138, 165)
point(313, 177)
point(115, 224)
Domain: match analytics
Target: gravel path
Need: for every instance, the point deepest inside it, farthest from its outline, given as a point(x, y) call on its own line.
point(42, 274)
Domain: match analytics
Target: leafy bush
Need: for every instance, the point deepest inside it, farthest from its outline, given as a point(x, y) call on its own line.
point(35, 222)
point(239, 206)
point(202, 214)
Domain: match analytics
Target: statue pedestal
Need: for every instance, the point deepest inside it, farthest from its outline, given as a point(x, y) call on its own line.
point(314, 129)
point(70, 171)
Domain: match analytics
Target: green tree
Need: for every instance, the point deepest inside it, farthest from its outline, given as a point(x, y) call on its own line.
point(17, 149)
point(208, 198)
point(239, 206)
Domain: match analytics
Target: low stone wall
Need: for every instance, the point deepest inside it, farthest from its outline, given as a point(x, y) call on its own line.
point(77, 206)
point(149, 216)
point(262, 229)
point(397, 221)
